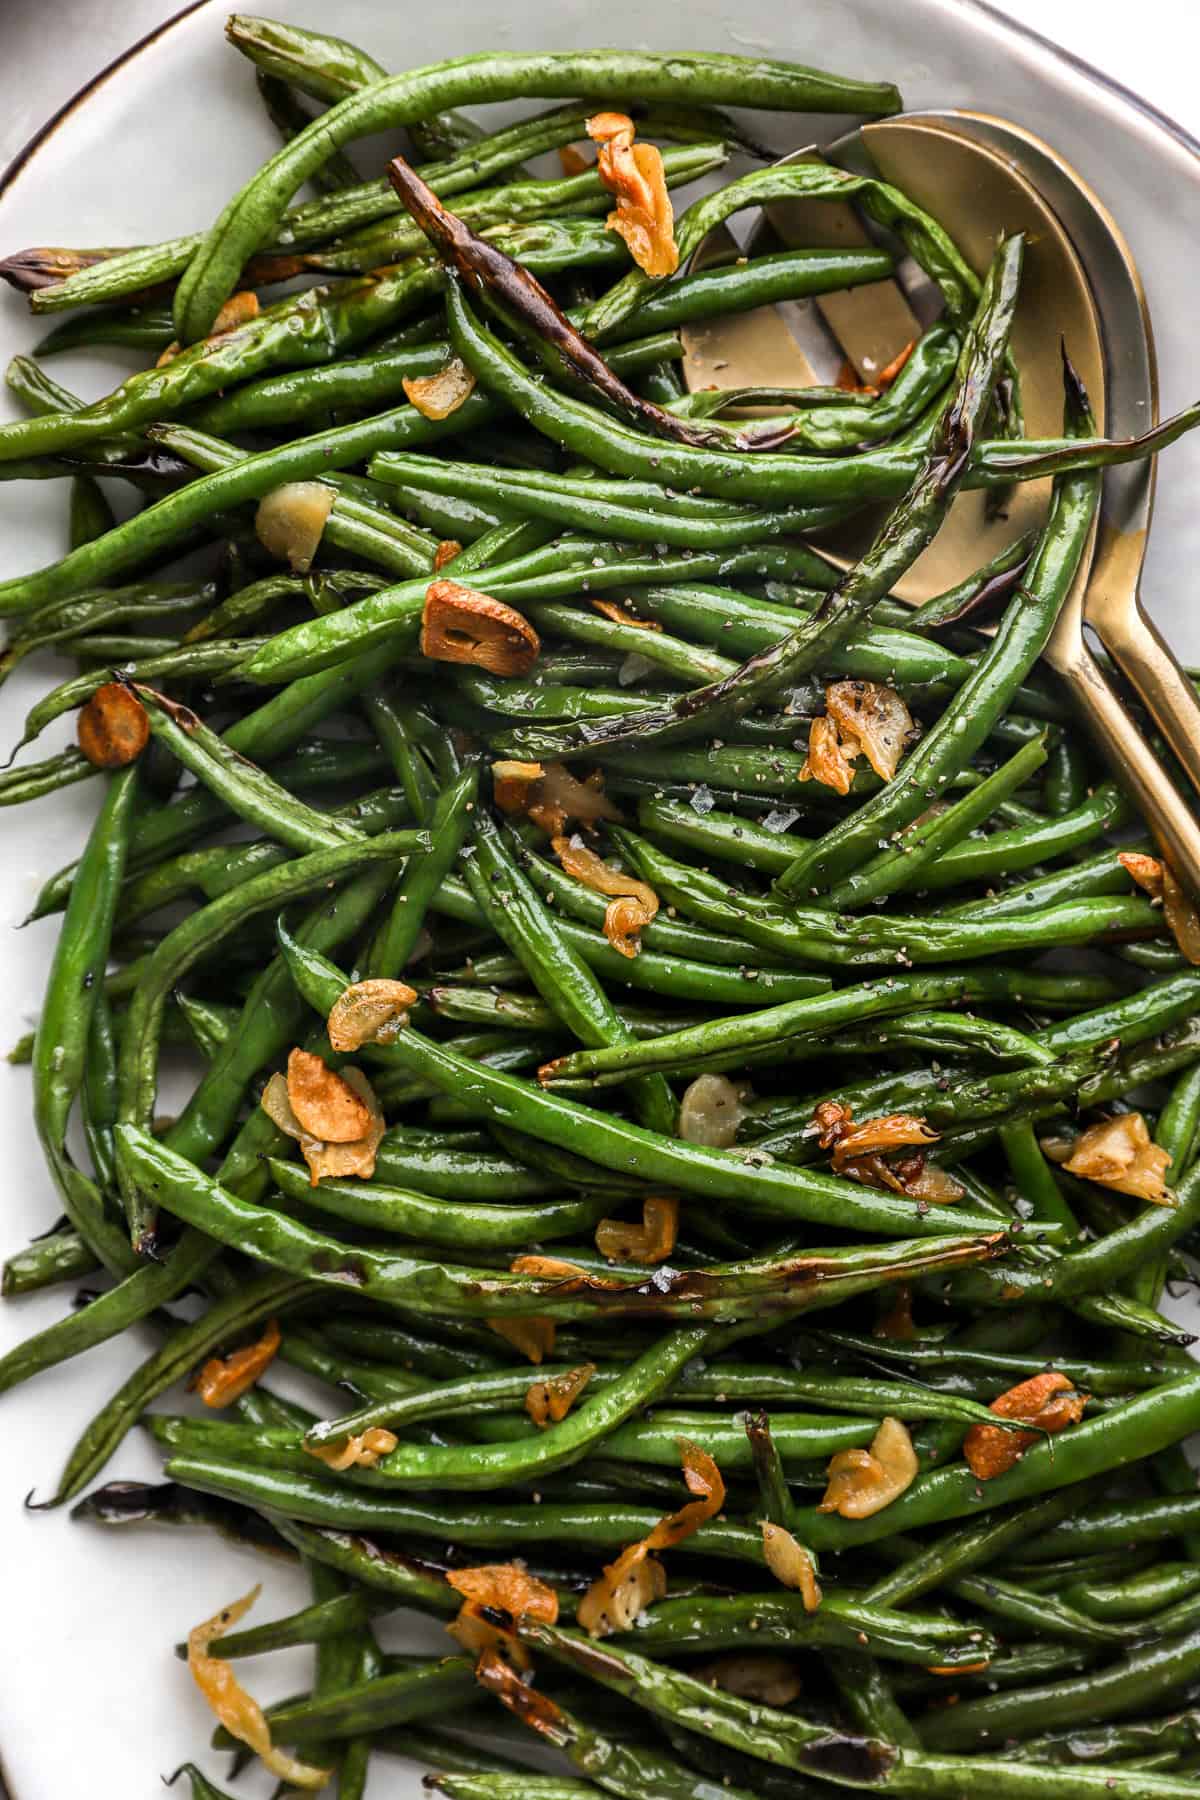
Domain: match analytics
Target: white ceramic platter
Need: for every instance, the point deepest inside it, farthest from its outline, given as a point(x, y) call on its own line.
point(91, 1698)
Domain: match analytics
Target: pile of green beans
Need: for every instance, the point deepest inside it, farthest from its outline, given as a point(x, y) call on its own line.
point(317, 804)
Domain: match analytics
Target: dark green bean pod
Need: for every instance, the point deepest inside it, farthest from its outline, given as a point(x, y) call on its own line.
point(329, 1618)
point(520, 919)
point(612, 508)
point(463, 1226)
point(268, 1021)
point(248, 219)
point(1149, 1421)
point(358, 523)
point(893, 551)
point(563, 196)
point(198, 935)
point(31, 781)
point(1145, 1677)
point(289, 119)
point(785, 1738)
point(902, 866)
point(963, 726)
point(629, 1149)
point(391, 1699)
point(814, 934)
point(185, 1347)
point(378, 375)
point(60, 1256)
point(152, 532)
point(816, 1279)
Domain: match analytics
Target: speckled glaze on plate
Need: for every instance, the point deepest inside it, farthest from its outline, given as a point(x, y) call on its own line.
point(92, 1699)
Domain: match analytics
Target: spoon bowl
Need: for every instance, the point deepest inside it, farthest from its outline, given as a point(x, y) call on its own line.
point(975, 192)
point(981, 176)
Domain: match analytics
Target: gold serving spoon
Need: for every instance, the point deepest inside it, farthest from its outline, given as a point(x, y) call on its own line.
point(979, 176)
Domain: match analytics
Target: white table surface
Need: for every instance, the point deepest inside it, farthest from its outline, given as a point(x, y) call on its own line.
point(49, 48)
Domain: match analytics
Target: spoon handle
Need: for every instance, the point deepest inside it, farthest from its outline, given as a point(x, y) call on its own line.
point(1149, 664)
point(1175, 827)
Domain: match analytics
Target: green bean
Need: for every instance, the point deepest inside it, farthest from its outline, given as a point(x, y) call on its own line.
point(241, 608)
point(894, 549)
point(773, 479)
point(569, 566)
point(681, 977)
point(1175, 1734)
point(1176, 1132)
point(264, 735)
point(357, 522)
point(325, 67)
point(315, 1624)
point(30, 781)
point(969, 1547)
point(1143, 1676)
point(245, 1306)
point(213, 871)
point(491, 1465)
point(586, 505)
point(1116, 1524)
point(814, 934)
point(1140, 1597)
point(629, 1149)
point(816, 1015)
point(785, 1738)
point(139, 539)
point(627, 1772)
point(1179, 1121)
point(850, 422)
point(743, 625)
point(89, 514)
point(209, 1023)
point(736, 839)
point(1033, 1176)
point(563, 196)
point(60, 1256)
point(401, 99)
point(377, 375)
point(515, 912)
point(141, 604)
point(672, 936)
point(963, 726)
point(60, 1046)
point(1147, 1422)
point(127, 272)
point(148, 328)
point(481, 1393)
point(269, 1018)
point(423, 876)
point(248, 791)
point(463, 1226)
point(355, 382)
point(1066, 783)
point(289, 119)
point(311, 327)
point(1039, 1614)
point(1133, 1019)
point(449, 1174)
point(921, 235)
point(196, 936)
point(158, 1175)
point(168, 660)
point(390, 1699)
point(902, 866)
